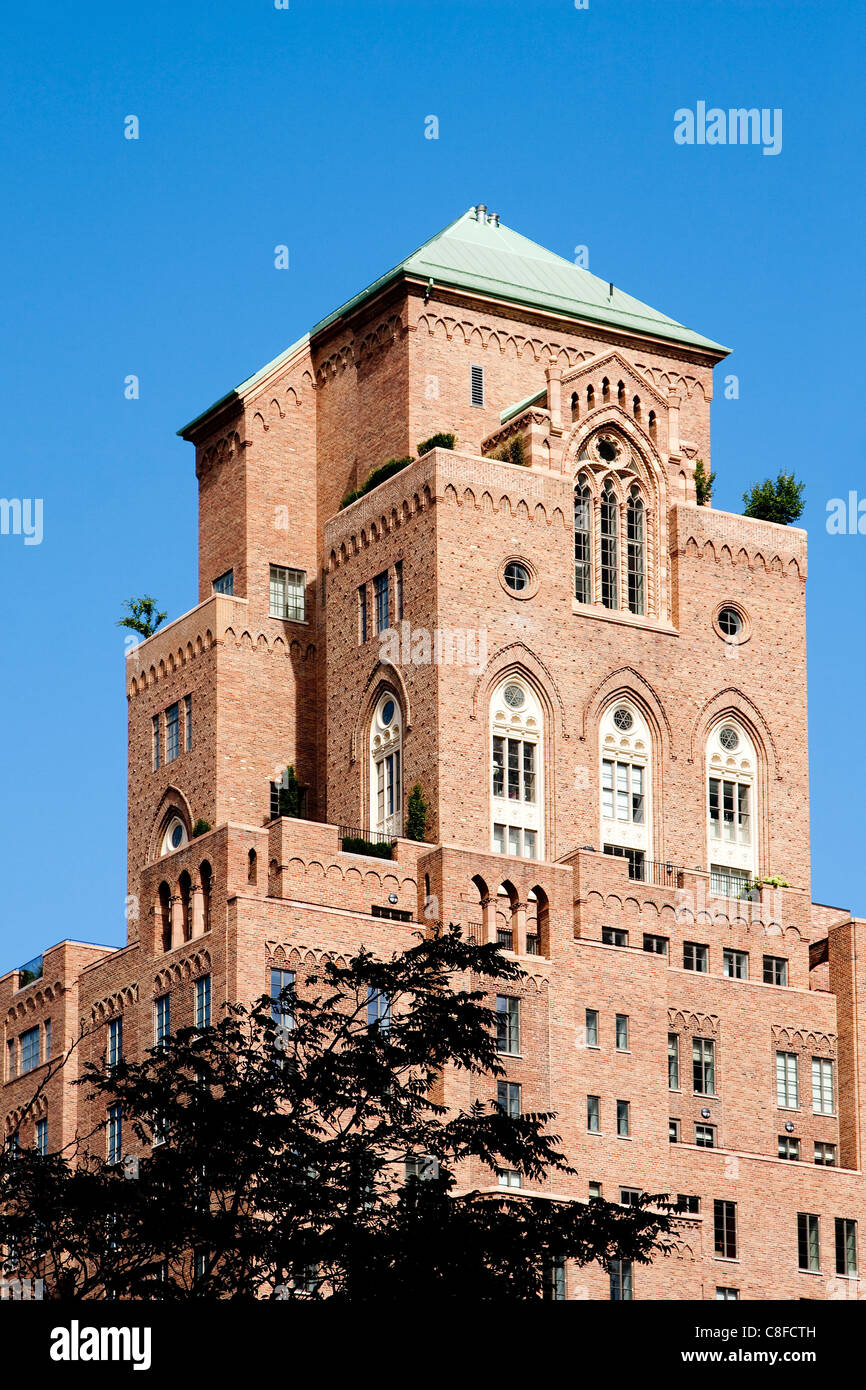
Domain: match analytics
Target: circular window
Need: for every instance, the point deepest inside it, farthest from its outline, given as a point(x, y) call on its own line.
point(516, 576)
point(388, 712)
point(623, 718)
point(730, 622)
point(177, 837)
point(607, 450)
point(729, 738)
point(515, 696)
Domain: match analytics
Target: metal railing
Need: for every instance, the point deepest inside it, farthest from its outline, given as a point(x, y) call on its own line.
point(475, 933)
point(380, 845)
point(660, 875)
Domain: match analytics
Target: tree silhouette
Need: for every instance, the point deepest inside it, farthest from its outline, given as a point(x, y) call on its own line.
point(142, 616)
point(300, 1148)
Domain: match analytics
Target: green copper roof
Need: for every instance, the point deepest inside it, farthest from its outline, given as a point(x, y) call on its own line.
point(490, 259)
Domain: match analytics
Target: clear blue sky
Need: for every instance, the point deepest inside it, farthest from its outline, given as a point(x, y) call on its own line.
point(305, 126)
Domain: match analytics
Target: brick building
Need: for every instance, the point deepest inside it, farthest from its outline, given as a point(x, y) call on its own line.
point(600, 687)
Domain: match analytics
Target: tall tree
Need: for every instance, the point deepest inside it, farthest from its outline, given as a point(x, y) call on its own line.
point(142, 616)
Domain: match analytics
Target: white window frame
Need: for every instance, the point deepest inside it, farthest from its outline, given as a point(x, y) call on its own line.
point(516, 761)
point(287, 593)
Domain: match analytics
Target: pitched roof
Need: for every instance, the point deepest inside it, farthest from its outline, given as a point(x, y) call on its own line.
point(485, 257)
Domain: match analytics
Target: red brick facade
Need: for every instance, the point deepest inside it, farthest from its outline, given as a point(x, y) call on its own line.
point(628, 416)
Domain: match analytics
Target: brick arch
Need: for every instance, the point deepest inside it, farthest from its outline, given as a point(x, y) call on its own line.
point(173, 799)
point(733, 703)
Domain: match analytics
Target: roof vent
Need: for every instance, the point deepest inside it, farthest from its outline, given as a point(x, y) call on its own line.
point(481, 212)
point(493, 219)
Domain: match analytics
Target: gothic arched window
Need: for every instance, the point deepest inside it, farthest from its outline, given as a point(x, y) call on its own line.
point(626, 751)
point(609, 522)
point(386, 779)
point(582, 541)
point(731, 807)
point(635, 546)
point(517, 773)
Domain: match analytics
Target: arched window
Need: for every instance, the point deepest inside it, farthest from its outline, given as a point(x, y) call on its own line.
point(626, 751)
point(575, 405)
point(635, 407)
point(506, 907)
point(386, 782)
point(620, 394)
point(651, 421)
point(583, 541)
point(731, 807)
point(205, 874)
point(184, 883)
point(635, 546)
point(517, 791)
point(537, 923)
point(175, 834)
point(590, 398)
point(252, 867)
point(609, 521)
point(165, 916)
point(605, 390)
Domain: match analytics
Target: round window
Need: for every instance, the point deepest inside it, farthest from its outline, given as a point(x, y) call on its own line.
point(177, 837)
point(729, 738)
point(516, 576)
point(515, 696)
point(607, 450)
point(388, 712)
point(623, 718)
point(730, 622)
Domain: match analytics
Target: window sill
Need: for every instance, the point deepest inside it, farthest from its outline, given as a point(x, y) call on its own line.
point(623, 616)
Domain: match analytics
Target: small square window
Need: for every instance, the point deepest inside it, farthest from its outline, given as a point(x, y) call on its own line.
point(825, 1155)
point(705, 1136)
point(288, 594)
point(508, 1177)
point(696, 957)
point(614, 936)
point(789, 1148)
point(656, 945)
point(775, 970)
point(225, 584)
point(735, 964)
point(595, 1191)
point(629, 1196)
point(688, 1204)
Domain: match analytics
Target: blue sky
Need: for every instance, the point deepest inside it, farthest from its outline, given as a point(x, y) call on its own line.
point(305, 126)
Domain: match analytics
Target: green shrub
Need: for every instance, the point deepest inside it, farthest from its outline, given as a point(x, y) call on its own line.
point(441, 440)
point(355, 844)
point(416, 814)
point(379, 475)
point(780, 501)
point(512, 451)
point(201, 827)
point(703, 483)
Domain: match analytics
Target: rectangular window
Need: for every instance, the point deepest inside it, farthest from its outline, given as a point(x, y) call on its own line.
point(42, 1137)
point(823, 1101)
point(725, 1229)
point(787, 1088)
point(726, 1295)
point(614, 936)
point(380, 599)
point(592, 1027)
point(703, 1066)
point(508, 1177)
point(696, 957)
point(674, 1131)
point(593, 1115)
point(825, 1155)
point(476, 385)
point(673, 1062)
point(499, 767)
point(728, 883)
point(688, 1205)
point(656, 945)
point(187, 723)
point(288, 593)
point(622, 796)
point(789, 1148)
point(623, 1118)
point(362, 612)
point(629, 1196)
point(775, 970)
point(554, 1281)
point(595, 1190)
point(729, 811)
point(162, 1019)
point(508, 1096)
point(378, 1009)
point(621, 1281)
point(846, 1247)
point(634, 858)
point(115, 1134)
point(155, 742)
point(282, 998)
point(705, 1136)
point(808, 1241)
point(115, 1042)
point(172, 733)
point(10, 1060)
point(29, 1049)
point(735, 964)
point(507, 1024)
point(202, 1002)
point(398, 590)
point(47, 1048)
point(225, 584)
point(622, 1032)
